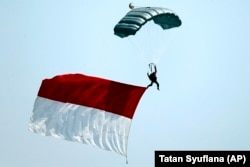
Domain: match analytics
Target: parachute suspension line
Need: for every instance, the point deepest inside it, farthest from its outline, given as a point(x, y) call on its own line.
point(147, 49)
point(148, 45)
point(139, 51)
point(161, 51)
point(163, 48)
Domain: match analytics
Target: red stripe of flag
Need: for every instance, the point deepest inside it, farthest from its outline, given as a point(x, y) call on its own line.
point(103, 94)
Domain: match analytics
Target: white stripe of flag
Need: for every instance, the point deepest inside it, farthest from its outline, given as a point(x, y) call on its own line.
point(86, 109)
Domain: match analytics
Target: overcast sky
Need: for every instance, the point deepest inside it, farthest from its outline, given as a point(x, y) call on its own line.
point(203, 70)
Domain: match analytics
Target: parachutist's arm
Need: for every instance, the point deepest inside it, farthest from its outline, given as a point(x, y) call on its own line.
point(155, 69)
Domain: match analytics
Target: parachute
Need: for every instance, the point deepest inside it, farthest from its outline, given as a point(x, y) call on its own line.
point(137, 17)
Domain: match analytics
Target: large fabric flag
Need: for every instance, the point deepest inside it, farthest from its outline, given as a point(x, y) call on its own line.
point(86, 109)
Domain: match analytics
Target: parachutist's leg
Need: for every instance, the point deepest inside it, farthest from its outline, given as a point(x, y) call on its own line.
point(158, 85)
point(150, 84)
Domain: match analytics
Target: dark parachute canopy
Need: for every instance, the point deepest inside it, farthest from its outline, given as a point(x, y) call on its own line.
point(137, 17)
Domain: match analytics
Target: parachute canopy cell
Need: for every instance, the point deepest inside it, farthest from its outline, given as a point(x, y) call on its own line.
point(137, 17)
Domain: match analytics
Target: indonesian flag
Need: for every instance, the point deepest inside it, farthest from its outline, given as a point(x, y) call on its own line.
point(86, 109)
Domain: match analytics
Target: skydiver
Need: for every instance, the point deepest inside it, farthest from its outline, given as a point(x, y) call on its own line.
point(152, 77)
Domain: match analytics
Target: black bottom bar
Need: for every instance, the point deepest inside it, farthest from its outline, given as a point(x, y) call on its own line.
point(202, 158)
